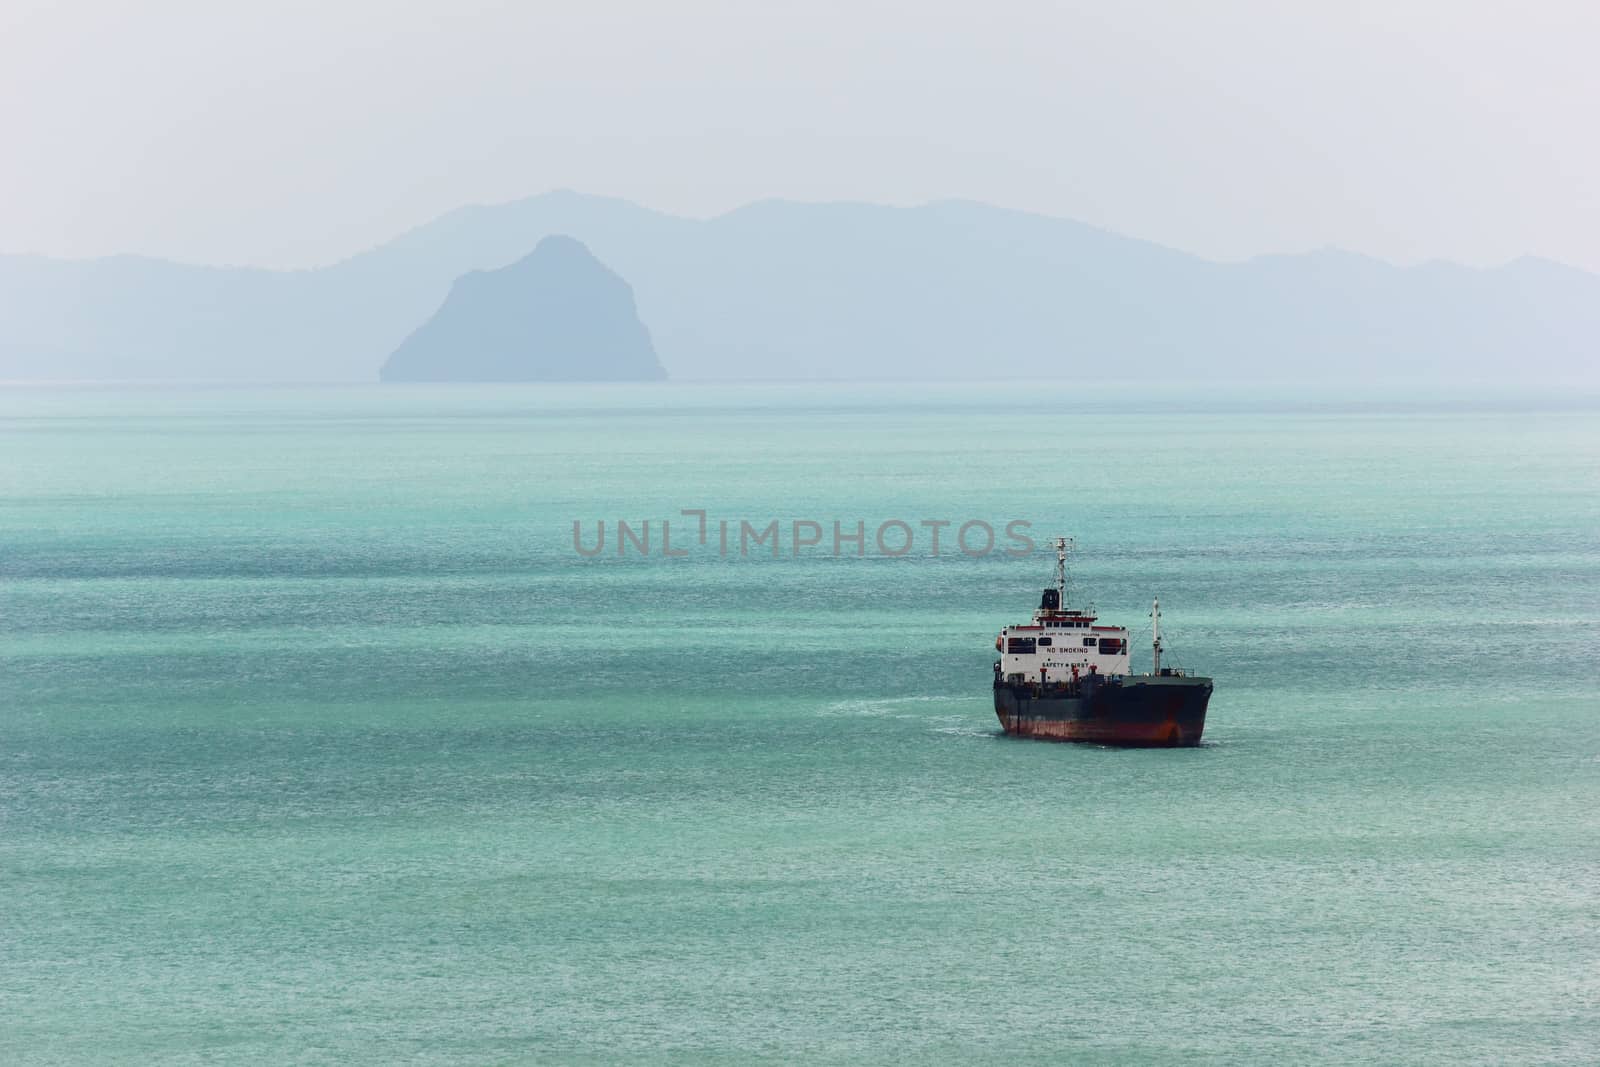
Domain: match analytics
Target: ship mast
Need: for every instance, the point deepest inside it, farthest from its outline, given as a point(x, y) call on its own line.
point(1155, 637)
point(1062, 545)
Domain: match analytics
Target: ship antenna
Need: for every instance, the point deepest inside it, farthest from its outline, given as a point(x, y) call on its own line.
point(1062, 545)
point(1155, 637)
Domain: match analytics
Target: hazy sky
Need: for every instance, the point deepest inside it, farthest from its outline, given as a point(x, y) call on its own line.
point(295, 132)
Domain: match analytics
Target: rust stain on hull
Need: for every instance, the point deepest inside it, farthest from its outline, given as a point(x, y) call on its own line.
point(1164, 734)
point(1165, 711)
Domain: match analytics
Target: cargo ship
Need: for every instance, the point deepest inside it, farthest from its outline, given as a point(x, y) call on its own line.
point(1064, 678)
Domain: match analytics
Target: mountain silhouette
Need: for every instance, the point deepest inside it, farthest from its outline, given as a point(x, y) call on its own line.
point(557, 314)
point(781, 290)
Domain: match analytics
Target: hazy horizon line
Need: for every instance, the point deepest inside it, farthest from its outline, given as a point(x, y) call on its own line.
point(795, 201)
point(1198, 396)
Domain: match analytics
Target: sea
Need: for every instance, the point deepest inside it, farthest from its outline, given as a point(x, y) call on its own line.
point(334, 728)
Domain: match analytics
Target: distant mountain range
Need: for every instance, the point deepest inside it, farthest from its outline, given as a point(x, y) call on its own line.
point(780, 290)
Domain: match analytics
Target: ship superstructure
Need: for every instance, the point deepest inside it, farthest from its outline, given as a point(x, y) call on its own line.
point(1061, 641)
point(1064, 677)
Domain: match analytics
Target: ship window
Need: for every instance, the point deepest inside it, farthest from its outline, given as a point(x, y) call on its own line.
point(1112, 646)
point(1020, 646)
point(1046, 642)
point(1088, 642)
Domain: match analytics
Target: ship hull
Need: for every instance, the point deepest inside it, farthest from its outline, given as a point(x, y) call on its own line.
point(1160, 710)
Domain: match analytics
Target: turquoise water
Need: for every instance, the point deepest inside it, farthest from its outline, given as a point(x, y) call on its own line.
point(319, 743)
